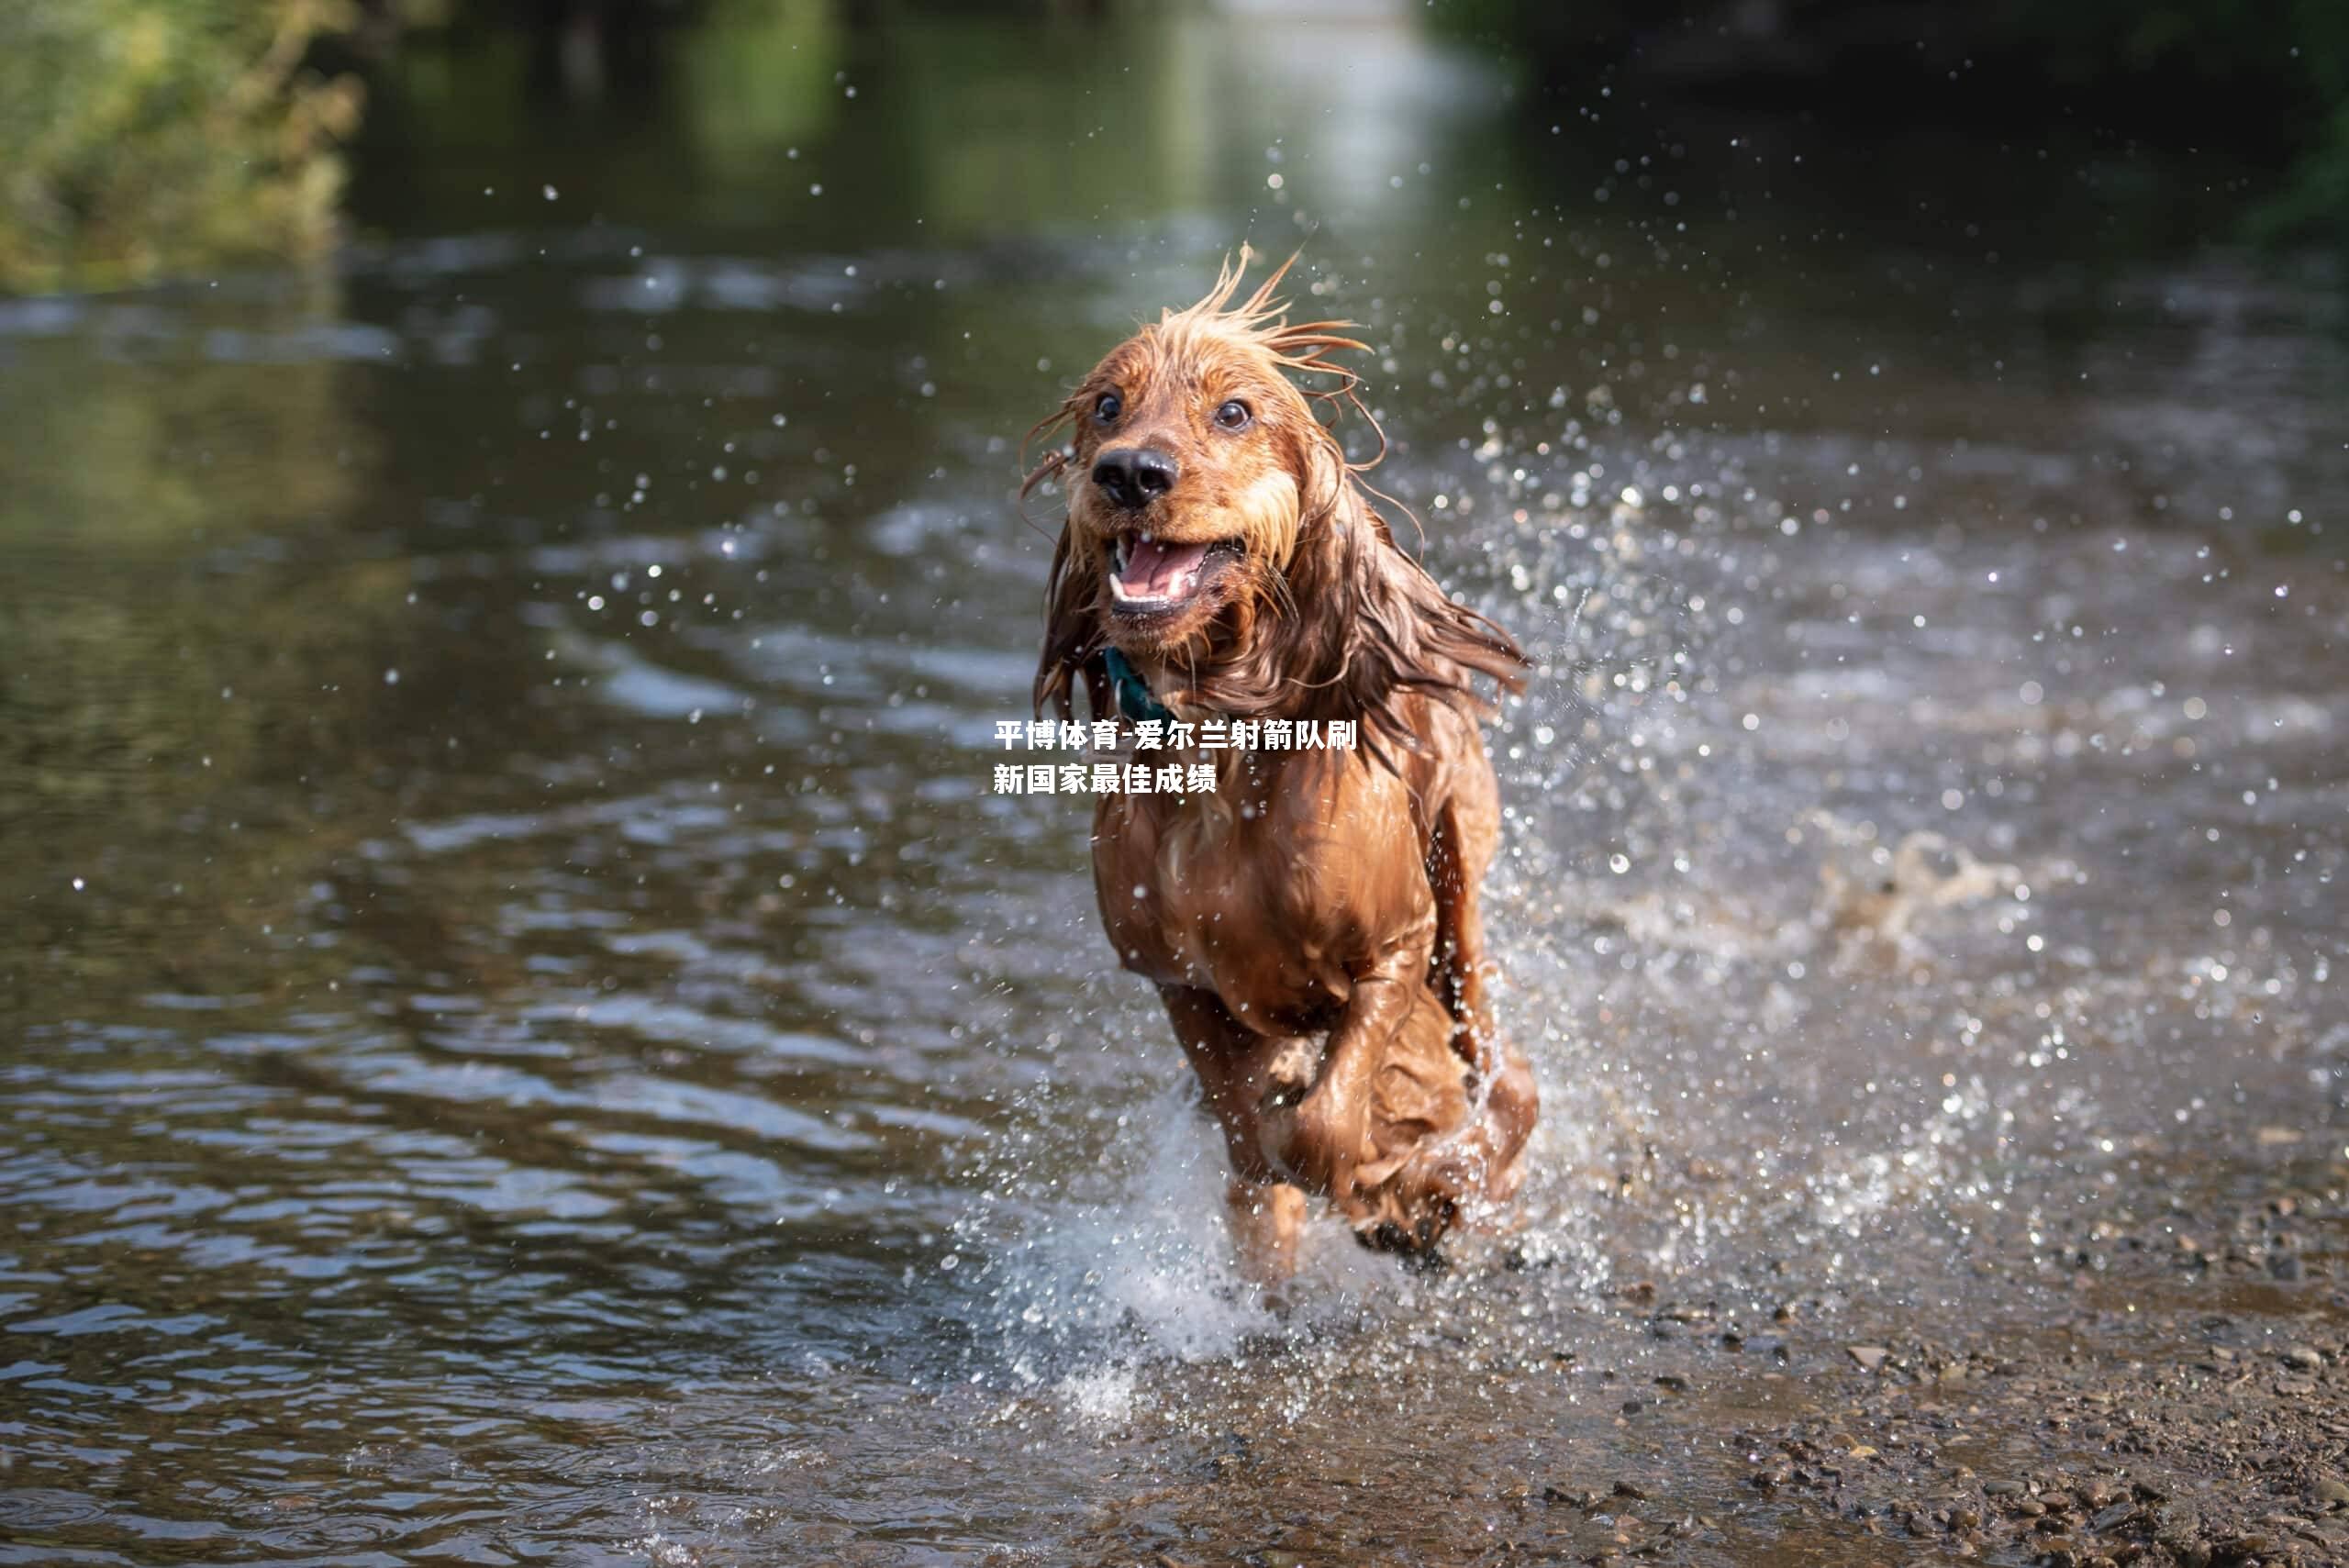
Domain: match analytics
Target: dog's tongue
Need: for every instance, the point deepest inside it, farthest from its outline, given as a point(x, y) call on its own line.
point(1157, 571)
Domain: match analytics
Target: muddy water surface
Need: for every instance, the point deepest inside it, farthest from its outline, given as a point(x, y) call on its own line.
point(529, 1038)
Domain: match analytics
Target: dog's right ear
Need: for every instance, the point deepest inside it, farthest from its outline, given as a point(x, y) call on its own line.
point(1053, 463)
point(1070, 614)
point(1072, 619)
point(1051, 427)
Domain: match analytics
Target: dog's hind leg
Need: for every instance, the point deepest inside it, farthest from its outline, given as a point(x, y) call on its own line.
point(1459, 848)
point(1485, 1159)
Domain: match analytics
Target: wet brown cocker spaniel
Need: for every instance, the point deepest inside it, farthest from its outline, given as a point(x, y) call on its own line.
point(1311, 924)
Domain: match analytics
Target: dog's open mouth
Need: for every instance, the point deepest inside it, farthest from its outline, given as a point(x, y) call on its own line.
point(1149, 575)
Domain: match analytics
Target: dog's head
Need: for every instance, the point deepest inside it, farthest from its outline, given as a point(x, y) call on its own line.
point(1218, 539)
point(1193, 463)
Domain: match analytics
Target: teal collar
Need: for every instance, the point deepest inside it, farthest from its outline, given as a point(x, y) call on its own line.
point(1133, 693)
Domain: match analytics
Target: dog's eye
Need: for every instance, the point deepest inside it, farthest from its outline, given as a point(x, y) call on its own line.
point(1233, 416)
point(1108, 407)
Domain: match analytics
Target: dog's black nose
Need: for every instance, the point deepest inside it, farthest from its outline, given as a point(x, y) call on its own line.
point(1133, 477)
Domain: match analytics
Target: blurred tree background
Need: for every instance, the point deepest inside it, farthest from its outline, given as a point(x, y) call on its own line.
point(2266, 80)
point(147, 136)
point(152, 137)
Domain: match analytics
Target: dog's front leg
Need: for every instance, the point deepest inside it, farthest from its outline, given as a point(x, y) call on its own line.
point(1267, 1226)
point(1331, 1141)
point(1240, 1075)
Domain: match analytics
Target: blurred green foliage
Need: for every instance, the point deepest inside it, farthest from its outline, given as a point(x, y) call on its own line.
point(2264, 79)
point(146, 136)
point(2254, 75)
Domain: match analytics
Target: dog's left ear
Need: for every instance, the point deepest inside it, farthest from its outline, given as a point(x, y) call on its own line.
point(1324, 483)
point(1382, 626)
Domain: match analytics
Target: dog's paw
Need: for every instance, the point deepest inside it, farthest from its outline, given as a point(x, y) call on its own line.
point(1427, 1195)
point(1417, 1249)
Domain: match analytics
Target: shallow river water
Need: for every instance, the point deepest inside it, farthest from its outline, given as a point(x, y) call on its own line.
point(524, 1035)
